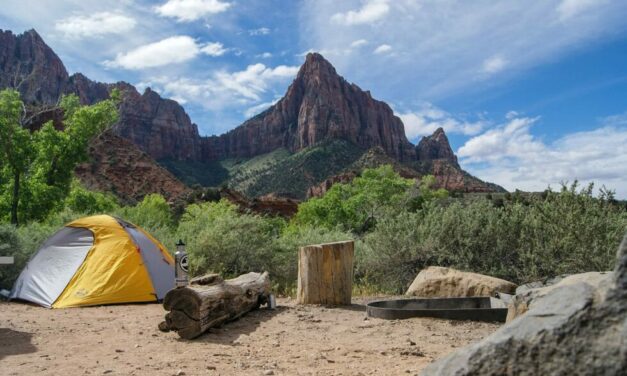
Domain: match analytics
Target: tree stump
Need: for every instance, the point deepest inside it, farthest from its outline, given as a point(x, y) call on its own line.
point(325, 273)
point(209, 301)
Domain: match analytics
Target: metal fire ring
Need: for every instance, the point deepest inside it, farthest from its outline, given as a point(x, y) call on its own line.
point(474, 308)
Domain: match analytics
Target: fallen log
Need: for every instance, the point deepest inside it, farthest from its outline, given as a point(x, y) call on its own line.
point(209, 301)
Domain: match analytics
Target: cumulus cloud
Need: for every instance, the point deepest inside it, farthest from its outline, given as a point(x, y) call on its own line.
point(225, 89)
point(428, 118)
point(95, 25)
point(214, 49)
point(371, 11)
point(191, 10)
point(382, 49)
point(167, 51)
point(510, 155)
point(512, 140)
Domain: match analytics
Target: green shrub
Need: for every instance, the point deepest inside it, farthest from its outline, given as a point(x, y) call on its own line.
point(356, 206)
point(10, 246)
point(21, 243)
point(221, 240)
point(543, 236)
point(89, 202)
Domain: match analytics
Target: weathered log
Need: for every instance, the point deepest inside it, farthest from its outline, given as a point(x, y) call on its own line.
point(209, 302)
point(325, 273)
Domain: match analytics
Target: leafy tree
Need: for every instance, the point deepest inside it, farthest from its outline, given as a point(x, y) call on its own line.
point(37, 168)
point(152, 212)
point(81, 200)
point(357, 205)
point(425, 192)
point(16, 148)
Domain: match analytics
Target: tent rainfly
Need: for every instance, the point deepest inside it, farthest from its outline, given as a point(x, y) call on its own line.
point(96, 260)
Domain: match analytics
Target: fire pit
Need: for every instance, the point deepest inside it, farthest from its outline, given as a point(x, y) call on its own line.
point(475, 309)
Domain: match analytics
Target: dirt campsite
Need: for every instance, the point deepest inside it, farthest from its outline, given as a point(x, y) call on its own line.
point(290, 340)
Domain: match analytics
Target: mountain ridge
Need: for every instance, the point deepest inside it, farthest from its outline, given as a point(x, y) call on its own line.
point(319, 106)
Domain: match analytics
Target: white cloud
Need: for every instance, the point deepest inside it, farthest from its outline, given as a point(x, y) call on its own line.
point(384, 48)
point(191, 10)
point(510, 155)
point(510, 140)
point(167, 51)
point(214, 49)
point(442, 47)
point(494, 64)
point(265, 55)
point(260, 31)
point(371, 11)
point(358, 43)
point(571, 8)
point(257, 109)
point(428, 118)
point(225, 89)
point(95, 25)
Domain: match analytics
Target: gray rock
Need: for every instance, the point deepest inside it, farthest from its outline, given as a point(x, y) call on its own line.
point(575, 328)
point(521, 302)
point(539, 284)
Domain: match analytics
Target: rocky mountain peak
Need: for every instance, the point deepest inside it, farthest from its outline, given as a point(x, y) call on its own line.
point(24, 60)
point(316, 66)
point(435, 147)
point(319, 106)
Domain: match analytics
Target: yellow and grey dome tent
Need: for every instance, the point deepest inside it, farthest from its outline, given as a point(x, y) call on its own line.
point(96, 260)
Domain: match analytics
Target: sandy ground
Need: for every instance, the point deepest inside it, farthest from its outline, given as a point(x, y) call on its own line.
point(291, 340)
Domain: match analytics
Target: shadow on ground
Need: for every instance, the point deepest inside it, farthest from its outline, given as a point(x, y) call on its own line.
point(13, 342)
point(230, 331)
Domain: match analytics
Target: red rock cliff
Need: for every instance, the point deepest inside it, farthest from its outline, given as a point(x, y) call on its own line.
point(319, 105)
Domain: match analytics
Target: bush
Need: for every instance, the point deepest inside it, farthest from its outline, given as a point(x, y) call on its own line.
point(356, 206)
point(21, 243)
point(221, 240)
point(558, 233)
point(84, 201)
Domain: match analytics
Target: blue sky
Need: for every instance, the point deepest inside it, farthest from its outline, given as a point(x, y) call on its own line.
point(530, 93)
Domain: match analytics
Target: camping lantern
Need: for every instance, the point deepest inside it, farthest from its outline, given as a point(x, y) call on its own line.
point(181, 269)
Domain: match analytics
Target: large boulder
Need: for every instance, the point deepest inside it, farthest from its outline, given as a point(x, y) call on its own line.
point(523, 300)
point(438, 282)
point(574, 328)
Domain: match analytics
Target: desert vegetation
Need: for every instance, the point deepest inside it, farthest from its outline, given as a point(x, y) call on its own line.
point(399, 227)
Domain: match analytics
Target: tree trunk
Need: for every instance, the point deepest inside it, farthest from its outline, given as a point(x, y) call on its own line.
point(16, 198)
point(209, 302)
point(325, 273)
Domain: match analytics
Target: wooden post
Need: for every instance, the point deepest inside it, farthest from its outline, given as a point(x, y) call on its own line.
point(325, 273)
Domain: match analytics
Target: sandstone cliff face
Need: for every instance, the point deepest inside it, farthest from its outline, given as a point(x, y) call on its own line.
point(28, 65)
point(436, 146)
point(118, 166)
point(318, 106)
point(158, 126)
